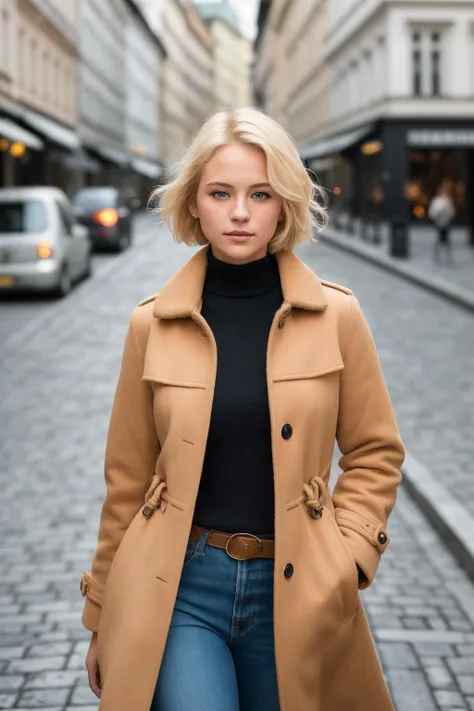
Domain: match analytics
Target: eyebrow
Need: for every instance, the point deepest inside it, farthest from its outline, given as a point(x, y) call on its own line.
point(228, 185)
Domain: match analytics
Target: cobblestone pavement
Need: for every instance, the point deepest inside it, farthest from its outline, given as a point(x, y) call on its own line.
point(422, 240)
point(57, 391)
point(17, 311)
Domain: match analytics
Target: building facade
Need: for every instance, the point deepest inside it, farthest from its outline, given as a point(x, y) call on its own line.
point(291, 79)
point(144, 57)
point(102, 87)
point(38, 52)
point(233, 55)
point(187, 72)
point(397, 115)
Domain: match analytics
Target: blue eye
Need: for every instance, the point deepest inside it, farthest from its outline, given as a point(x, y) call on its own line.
point(219, 193)
point(266, 196)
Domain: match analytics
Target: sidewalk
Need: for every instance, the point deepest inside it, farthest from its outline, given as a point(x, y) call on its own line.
point(449, 509)
point(452, 281)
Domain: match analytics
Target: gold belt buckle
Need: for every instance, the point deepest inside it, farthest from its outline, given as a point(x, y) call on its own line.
point(249, 535)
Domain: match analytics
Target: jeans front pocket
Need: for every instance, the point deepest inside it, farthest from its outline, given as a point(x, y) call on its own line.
point(190, 551)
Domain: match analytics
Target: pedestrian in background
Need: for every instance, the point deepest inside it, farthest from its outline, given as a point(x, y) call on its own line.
point(441, 211)
point(226, 576)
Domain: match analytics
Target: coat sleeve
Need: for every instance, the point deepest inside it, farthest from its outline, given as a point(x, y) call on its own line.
point(372, 451)
point(131, 452)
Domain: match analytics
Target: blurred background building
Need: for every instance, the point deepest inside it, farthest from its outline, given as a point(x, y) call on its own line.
point(233, 54)
point(379, 96)
point(111, 93)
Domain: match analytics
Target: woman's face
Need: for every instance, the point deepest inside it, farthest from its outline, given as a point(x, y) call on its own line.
point(234, 197)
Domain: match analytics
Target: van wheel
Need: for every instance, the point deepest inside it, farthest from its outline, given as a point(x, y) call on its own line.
point(88, 269)
point(64, 284)
point(123, 243)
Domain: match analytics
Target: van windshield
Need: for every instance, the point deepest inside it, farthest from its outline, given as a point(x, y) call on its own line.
point(93, 199)
point(22, 217)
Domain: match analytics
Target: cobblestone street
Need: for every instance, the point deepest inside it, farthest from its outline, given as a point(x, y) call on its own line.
point(57, 389)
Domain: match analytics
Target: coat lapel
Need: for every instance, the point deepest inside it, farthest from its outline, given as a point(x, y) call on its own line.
point(181, 296)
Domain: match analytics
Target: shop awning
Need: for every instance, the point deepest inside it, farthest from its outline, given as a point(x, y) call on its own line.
point(335, 144)
point(80, 160)
point(319, 165)
point(14, 132)
point(53, 130)
point(147, 168)
point(112, 155)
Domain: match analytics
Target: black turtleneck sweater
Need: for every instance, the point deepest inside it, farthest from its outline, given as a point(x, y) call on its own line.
point(236, 493)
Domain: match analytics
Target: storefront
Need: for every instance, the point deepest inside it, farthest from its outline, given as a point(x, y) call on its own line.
point(18, 148)
point(391, 169)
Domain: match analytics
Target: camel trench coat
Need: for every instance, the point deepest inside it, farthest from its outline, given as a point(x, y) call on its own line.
point(325, 381)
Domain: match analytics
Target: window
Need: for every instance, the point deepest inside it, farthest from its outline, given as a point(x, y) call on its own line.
point(427, 62)
point(22, 217)
point(21, 57)
point(416, 64)
point(33, 66)
point(435, 63)
point(66, 218)
point(56, 88)
point(5, 42)
point(45, 74)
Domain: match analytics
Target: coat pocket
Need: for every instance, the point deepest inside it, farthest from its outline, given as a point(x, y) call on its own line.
point(350, 579)
point(327, 560)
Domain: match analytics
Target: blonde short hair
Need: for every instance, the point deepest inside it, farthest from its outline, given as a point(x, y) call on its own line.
point(304, 203)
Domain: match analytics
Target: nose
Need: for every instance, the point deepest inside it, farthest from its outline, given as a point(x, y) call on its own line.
point(240, 211)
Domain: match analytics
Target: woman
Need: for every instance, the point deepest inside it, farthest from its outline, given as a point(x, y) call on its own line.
point(226, 577)
point(441, 211)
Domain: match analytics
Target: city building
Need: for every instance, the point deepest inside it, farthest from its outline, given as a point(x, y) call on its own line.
point(102, 88)
point(290, 75)
point(395, 117)
point(187, 90)
point(38, 101)
point(233, 54)
point(144, 57)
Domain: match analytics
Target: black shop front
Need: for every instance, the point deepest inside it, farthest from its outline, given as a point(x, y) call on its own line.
point(389, 170)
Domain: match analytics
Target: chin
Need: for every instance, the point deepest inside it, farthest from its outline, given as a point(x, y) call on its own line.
point(240, 252)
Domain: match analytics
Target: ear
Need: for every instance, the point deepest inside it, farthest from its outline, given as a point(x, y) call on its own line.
point(193, 210)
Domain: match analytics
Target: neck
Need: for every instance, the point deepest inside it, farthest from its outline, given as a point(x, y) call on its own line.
point(242, 280)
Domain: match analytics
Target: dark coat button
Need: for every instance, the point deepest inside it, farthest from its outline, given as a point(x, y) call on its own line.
point(286, 431)
point(289, 570)
point(382, 539)
point(281, 323)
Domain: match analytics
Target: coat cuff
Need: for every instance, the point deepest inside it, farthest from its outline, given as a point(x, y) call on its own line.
point(367, 541)
point(93, 591)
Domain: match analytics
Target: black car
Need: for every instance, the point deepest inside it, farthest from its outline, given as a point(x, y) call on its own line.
point(107, 215)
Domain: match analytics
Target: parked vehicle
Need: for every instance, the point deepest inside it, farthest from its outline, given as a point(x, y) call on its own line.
point(42, 246)
point(107, 215)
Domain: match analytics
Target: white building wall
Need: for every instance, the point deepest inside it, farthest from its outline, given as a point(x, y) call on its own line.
point(101, 28)
point(142, 83)
point(369, 51)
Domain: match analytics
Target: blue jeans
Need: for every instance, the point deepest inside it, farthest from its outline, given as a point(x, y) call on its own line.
point(219, 653)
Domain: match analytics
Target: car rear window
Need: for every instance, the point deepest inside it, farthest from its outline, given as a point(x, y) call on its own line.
point(22, 216)
point(91, 200)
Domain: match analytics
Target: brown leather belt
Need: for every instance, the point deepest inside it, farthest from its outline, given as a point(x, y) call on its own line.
point(240, 546)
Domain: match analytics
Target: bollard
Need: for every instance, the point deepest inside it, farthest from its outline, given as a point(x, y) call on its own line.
point(399, 240)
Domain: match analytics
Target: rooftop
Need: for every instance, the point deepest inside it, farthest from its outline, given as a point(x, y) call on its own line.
point(218, 10)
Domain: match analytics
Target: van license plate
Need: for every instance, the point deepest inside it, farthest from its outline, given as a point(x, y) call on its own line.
point(6, 281)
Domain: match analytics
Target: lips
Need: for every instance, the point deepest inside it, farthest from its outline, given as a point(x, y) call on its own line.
point(237, 233)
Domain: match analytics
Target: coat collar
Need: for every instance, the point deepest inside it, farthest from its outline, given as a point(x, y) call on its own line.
point(182, 294)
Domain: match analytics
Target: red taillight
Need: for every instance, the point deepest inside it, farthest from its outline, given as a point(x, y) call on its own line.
point(44, 250)
point(108, 217)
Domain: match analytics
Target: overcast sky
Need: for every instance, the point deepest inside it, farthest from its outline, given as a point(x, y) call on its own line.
point(247, 11)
